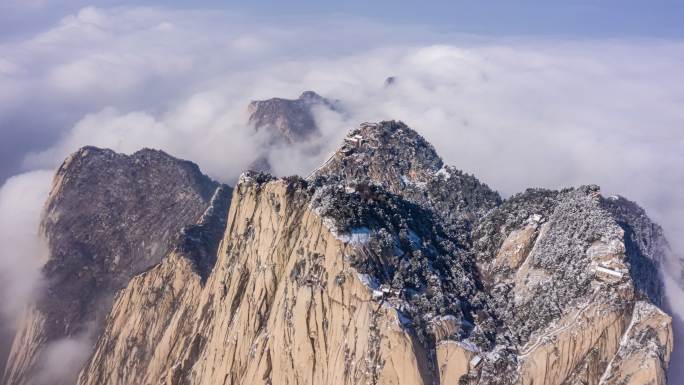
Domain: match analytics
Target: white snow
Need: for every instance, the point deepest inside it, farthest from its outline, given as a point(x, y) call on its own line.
point(467, 345)
point(357, 236)
point(368, 281)
point(535, 218)
point(408, 181)
point(444, 172)
point(475, 361)
point(244, 178)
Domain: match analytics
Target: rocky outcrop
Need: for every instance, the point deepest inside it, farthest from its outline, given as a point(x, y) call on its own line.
point(385, 266)
point(394, 156)
point(108, 217)
point(644, 350)
point(282, 305)
point(288, 124)
point(289, 120)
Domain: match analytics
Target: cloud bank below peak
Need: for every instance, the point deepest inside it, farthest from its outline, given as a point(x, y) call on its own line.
point(515, 112)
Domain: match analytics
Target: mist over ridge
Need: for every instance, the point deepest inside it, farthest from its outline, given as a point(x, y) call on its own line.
point(515, 112)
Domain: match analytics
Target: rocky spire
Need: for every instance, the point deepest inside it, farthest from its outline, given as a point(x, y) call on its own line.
point(108, 217)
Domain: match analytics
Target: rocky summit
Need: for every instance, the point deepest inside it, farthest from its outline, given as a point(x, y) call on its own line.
point(289, 120)
point(383, 266)
point(108, 218)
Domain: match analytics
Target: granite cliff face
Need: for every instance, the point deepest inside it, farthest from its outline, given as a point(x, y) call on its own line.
point(108, 218)
point(385, 266)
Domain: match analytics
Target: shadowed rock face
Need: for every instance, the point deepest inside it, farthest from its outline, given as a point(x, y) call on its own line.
point(387, 267)
point(288, 120)
point(108, 217)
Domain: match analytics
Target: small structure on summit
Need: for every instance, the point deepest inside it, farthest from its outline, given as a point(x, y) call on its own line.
point(604, 272)
point(356, 140)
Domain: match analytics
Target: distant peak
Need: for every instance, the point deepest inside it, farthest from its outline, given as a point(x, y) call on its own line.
point(289, 120)
point(311, 96)
point(390, 81)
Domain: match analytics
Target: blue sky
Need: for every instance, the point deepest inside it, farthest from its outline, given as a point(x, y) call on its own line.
point(607, 18)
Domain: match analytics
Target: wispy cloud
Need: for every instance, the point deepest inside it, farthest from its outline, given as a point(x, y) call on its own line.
point(21, 201)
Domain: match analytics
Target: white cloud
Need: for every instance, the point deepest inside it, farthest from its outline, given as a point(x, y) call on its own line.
point(61, 360)
point(21, 250)
point(516, 112)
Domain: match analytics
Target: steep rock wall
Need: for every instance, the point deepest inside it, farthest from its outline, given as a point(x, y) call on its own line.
point(108, 217)
point(281, 306)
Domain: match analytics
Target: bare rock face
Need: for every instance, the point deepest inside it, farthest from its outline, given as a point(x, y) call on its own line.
point(282, 305)
point(644, 348)
point(109, 217)
point(386, 267)
point(288, 120)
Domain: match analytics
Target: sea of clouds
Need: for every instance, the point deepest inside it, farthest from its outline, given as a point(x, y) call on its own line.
point(516, 112)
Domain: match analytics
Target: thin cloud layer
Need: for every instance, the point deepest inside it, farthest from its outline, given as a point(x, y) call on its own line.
point(517, 113)
point(23, 252)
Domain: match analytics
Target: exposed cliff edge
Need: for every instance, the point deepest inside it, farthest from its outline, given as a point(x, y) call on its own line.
point(108, 217)
point(387, 267)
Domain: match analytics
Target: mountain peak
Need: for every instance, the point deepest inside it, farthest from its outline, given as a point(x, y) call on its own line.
point(391, 154)
point(388, 153)
point(312, 97)
point(109, 216)
point(289, 120)
point(385, 266)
